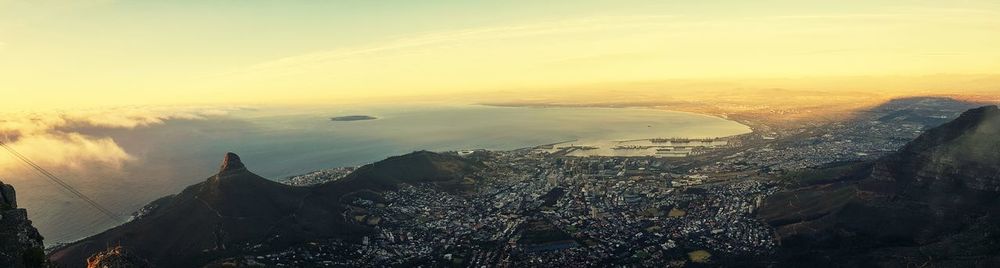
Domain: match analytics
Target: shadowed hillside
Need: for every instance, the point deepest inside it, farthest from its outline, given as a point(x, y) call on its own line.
point(935, 202)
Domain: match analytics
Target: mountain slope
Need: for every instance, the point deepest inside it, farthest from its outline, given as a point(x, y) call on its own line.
point(936, 201)
point(236, 211)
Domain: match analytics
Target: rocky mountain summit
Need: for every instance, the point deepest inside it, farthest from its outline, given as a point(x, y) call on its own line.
point(20, 243)
point(231, 163)
point(934, 202)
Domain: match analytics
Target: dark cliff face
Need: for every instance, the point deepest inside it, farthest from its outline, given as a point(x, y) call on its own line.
point(20, 243)
point(237, 212)
point(935, 201)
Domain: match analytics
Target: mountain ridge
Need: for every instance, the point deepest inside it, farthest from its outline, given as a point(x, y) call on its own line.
point(236, 211)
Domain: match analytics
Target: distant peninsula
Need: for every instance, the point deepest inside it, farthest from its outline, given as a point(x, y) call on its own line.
point(353, 118)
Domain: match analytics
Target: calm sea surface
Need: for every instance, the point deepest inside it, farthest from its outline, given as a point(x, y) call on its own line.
point(280, 143)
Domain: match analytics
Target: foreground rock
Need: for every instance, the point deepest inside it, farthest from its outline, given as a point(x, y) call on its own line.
point(20, 243)
point(935, 202)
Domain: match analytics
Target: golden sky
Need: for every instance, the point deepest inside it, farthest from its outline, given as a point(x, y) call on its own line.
point(84, 53)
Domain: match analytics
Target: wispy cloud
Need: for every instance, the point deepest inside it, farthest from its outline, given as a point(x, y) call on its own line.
point(907, 13)
point(605, 58)
point(842, 16)
point(680, 30)
point(459, 36)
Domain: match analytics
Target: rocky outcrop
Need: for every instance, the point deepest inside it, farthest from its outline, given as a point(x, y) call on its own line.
point(20, 243)
point(116, 257)
point(8, 197)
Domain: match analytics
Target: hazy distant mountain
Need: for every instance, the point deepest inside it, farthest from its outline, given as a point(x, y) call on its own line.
point(935, 202)
point(235, 212)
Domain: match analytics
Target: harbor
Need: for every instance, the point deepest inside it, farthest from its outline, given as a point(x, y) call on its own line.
point(657, 147)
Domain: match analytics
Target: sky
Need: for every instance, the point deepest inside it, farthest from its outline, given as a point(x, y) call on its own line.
point(63, 54)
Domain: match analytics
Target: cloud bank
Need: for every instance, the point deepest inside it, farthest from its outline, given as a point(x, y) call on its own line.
point(52, 139)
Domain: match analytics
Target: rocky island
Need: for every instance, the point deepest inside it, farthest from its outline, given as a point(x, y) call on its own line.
point(352, 118)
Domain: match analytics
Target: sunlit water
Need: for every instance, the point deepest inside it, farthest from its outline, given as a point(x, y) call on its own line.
point(281, 143)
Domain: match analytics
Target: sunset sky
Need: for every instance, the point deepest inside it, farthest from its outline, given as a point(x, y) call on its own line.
point(58, 54)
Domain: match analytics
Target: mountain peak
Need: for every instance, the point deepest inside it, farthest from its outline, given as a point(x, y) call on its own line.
point(231, 163)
